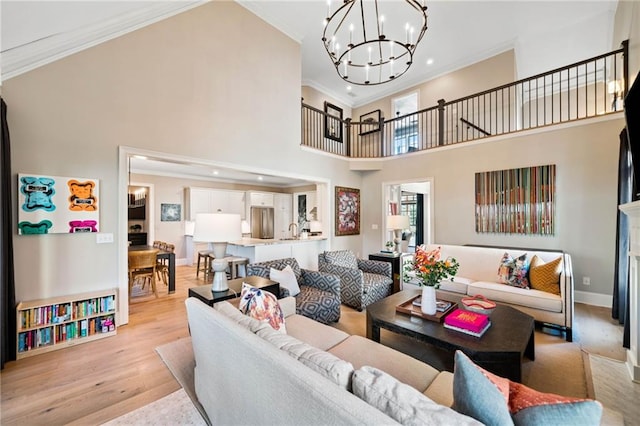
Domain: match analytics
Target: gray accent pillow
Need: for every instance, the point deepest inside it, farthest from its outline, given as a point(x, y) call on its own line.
point(402, 402)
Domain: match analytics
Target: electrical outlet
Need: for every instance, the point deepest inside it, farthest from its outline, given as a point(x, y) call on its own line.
point(102, 238)
point(374, 226)
point(586, 280)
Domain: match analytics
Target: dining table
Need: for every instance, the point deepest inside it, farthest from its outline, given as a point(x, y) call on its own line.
point(163, 254)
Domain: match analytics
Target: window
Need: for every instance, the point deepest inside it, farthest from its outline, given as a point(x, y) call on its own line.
point(405, 125)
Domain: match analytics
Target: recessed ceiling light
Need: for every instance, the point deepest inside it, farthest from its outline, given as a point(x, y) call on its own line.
point(260, 177)
point(429, 61)
point(349, 88)
point(215, 172)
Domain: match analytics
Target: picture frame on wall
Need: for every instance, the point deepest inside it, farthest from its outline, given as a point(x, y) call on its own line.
point(170, 212)
point(332, 122)
point(370, 122)
point(347, 217)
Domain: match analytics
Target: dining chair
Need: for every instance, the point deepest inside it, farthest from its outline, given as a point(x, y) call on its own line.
point(162, 265)
point(142, 265)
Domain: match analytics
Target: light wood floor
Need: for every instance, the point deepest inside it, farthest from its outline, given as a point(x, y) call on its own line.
point(95, 382)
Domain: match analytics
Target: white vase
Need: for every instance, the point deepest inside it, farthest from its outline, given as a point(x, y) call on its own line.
point(428, 303)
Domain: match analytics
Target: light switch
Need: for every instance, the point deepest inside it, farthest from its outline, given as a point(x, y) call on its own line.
point(374, 226)
point(104, 237)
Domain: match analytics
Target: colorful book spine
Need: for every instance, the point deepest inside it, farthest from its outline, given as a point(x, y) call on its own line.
point(469, 332)
point(467, 320)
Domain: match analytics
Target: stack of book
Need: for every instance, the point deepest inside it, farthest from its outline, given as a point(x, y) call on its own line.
point(468, 322)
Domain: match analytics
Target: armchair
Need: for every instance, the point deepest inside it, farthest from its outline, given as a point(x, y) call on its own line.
point(362, 282)
point(319, 297)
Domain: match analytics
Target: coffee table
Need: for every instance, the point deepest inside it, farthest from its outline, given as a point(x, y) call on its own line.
point(205, 294)
point(500, 350)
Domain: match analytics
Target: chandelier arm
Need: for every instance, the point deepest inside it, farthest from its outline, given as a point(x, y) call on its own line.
point(343, 18)
point(364, 27)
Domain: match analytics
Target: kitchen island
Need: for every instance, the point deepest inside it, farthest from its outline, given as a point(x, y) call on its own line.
point(304, 250)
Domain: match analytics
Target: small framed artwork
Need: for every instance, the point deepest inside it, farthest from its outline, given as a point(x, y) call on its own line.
point(347, 211)
point(170, 212)
point(370, 122)
point(332, 122)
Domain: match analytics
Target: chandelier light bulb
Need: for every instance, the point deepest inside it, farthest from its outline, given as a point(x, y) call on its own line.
point(375, 52)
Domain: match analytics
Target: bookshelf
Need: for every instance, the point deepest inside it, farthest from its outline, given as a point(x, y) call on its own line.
point(49, 324)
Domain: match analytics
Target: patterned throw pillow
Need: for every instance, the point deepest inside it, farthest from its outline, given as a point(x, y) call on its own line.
point(514, 271)
point(262, 306)
point(481, 395)
point(545, 276)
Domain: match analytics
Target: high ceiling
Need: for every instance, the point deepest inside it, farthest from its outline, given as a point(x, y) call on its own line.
point(544, 34)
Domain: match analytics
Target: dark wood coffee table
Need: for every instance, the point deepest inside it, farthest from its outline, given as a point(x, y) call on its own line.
point(205, 294)
point(500, 350)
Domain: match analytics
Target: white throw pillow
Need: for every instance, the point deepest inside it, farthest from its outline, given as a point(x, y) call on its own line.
point(286, 278)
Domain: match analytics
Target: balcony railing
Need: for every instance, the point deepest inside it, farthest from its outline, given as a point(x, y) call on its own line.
point(585, 89)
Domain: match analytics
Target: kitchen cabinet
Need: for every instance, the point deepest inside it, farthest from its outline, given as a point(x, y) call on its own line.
point(261, 199)
point(283, 215)
point(210, 200)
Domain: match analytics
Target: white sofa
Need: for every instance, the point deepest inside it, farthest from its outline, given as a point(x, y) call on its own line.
point(478, 274)
point(247, 373)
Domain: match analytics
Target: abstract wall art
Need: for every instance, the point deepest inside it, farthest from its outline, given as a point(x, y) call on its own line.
point(516, 201)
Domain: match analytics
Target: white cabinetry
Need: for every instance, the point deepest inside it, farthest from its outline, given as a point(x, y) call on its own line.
point(262, 199)
point(209, 200)
point(283, 215)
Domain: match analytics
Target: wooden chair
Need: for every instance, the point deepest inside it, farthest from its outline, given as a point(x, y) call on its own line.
point(162, 265)
point(142, 265)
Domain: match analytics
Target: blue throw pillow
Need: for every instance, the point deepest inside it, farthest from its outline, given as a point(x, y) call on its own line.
point(494, 400)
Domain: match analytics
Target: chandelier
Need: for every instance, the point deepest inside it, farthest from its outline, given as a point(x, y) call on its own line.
point(372, 42)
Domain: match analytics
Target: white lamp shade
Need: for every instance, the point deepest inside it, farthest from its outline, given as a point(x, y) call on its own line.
point(217, 227)
point(189, 227)
point(315, 226)
point(395, 221)
point(246, 229)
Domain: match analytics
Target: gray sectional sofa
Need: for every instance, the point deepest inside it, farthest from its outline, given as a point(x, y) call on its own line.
point(248, 373)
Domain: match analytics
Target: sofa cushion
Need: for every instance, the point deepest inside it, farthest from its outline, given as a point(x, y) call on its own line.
point(513, 271)
point(313, 332)
point(361, 351)
point(458, 285)
point(322, 362)
point(371, 281)
point(545, 276)
point(246, 321)
point(286, 278)
point(495, 400)
point(402, 402)
point(262, 306)
point(440, 389)
point(344, 258)
point(535, 299)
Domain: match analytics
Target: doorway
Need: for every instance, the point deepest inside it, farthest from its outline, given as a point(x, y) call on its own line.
point(415, 199)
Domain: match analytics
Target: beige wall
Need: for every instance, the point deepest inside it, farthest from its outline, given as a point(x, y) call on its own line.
point(484, 75)
point(627, 27)
point(172, 87)
point(316, 99)
point(586, 157)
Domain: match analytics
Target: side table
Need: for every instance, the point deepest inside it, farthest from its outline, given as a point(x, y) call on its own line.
point(204, 293)
point(394, 259)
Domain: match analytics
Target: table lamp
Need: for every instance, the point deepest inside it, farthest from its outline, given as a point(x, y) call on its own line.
point(217, 229)
point(397, 223)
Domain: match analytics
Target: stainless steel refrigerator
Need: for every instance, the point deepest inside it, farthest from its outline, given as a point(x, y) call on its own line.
point(262, 222)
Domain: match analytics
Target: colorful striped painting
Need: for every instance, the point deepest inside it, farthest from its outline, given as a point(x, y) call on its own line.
point(516, 201)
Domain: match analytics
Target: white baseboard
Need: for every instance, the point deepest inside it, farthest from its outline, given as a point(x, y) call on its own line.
point(595, 299)
point(182, 262)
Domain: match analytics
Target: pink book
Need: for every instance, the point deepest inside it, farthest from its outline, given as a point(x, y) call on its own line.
point(467, 320)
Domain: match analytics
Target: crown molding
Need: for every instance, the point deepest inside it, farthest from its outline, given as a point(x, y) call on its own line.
point(28, 57)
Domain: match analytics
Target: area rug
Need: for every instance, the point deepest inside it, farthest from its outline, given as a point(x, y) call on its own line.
point(178, 357)
point(614, 388)
point(174, 409)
